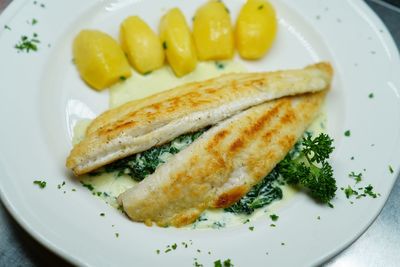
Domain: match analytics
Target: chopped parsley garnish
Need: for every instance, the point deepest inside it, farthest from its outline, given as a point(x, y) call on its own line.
point(33, 21)
point(251, 228)
point(164, 45)
point(116, 235)
point(7, 27)
point(174, 246)
point(225, 263)
point(196, 263)
point(348, 191)
point(274, 217)
point(282, 244)
point(102, 214)
point(352, 158)
point(347, 133)
point(371, 95)
point(158, 251)
point(260, 7)
point(147, 73)
point(219, 65)
point(368, 190)
point(357, 177)
point(272, 225)
point(122, 78)
point(362, 192)
point(61, 185)
point(390, 169)
point(27, 44)
point(319, 218)
point(88, 186)
point(227, 10)
point(41, 184)
point(217, 225)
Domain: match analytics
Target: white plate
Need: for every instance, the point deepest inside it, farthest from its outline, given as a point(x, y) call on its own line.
point(42, 97)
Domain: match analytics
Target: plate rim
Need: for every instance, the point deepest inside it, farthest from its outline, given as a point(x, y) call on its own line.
point(9, 13)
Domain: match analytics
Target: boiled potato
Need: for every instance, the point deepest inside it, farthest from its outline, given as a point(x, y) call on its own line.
point(212, 32)
point(255, 29)
point(99, 59)
point(177, 42)
point(141, 45)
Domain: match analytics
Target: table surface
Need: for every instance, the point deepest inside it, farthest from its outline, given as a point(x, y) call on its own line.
point(378, 246)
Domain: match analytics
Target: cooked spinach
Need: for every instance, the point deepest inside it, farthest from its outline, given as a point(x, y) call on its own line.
point(259, 196)
point(140, 165)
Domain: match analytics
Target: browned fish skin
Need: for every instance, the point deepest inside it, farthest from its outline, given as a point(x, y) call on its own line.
point(142, 124)
point(223, 164)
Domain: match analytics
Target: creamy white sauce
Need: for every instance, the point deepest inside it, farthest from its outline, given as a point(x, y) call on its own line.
point(139, 86)
point(109, 186)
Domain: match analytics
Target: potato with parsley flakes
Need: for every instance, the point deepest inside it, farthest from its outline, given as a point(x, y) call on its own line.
point(177, 42)
point(141, 45)
point(99, 59)
point(213, 32)
point(256, 28)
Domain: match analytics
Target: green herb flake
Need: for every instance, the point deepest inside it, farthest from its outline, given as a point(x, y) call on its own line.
point(122, 78)
point(41, 184)
point(164, 45)
point(368, 190)
point(88, 186)
point(390, 169)
point(147, 73)
point(102, 214)
point(319, 218)
point(227, 10)
point(27, 44)
point(33, 21)
point(7, 27)
point(371, 95)
point(73, 190)
point(251, 228)
point(246, 221)
point(158, 251)
point(174, 246)
point(282, 244)
point(274, 217)
point(260, 7)
point(219, 65)
point(352, 158)
point(356, 177)
point(347, 133)
point(272, 225)
point(42, 5)
point(116, 235)
point(350, 192)
point(225, 263)
point(196, 263)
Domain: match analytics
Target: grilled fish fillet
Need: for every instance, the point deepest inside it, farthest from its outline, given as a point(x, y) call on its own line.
point(142, 124)
point(223, 164)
